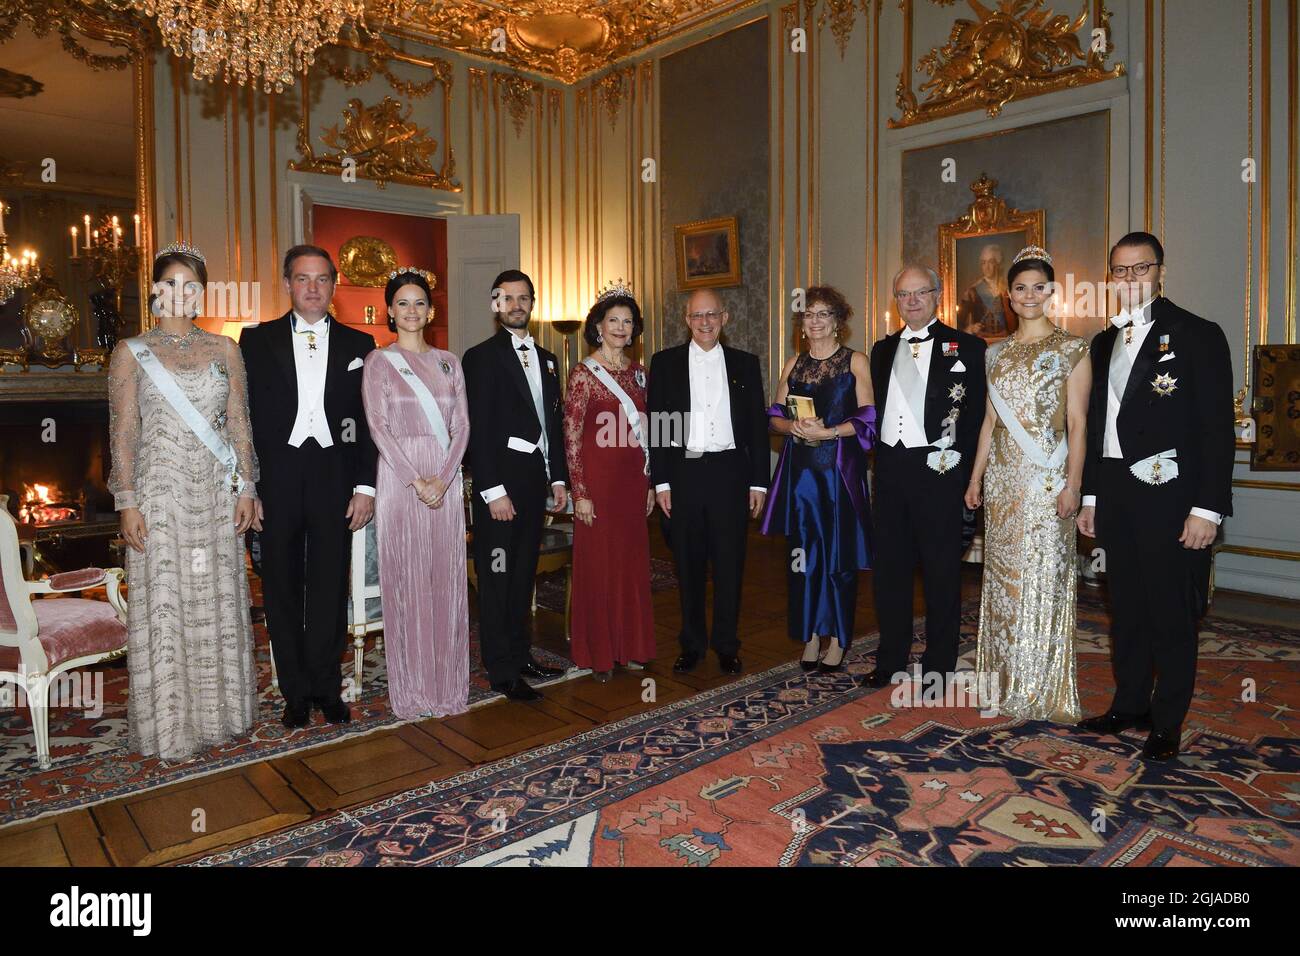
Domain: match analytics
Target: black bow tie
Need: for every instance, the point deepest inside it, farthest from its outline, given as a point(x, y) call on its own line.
point(524, 347)
point(918, 338)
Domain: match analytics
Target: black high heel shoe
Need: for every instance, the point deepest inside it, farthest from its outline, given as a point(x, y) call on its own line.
point(824, 668)
point(811, 665)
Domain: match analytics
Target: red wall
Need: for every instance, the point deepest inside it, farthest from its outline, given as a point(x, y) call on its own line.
point(417, 241)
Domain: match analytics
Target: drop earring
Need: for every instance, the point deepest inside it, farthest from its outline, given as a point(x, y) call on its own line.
point(599, 338)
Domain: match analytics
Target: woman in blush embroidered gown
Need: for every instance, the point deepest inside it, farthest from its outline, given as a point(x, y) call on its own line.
point(611, 621)
point(819, 497)
point(1038, 398)
point(193, 683)
point(419, 516)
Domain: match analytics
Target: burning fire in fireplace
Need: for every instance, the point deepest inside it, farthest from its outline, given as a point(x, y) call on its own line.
point(43, 504)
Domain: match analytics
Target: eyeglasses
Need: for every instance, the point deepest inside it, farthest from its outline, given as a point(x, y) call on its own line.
point(914, 294)
point(822, 314)
point(1137, 269)
point(697, 316)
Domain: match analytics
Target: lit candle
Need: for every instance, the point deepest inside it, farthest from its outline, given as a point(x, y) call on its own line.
point(137, 228)
point(117, 237)
point(74, 242)
point(86, 220)
point(2, 219)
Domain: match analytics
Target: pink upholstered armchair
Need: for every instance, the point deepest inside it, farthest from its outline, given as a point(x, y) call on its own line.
point(41, 639)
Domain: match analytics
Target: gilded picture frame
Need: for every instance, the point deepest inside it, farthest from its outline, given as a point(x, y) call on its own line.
point(708, 253)
point(988, 221)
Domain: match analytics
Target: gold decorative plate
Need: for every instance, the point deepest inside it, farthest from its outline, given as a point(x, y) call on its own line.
point(367, 260)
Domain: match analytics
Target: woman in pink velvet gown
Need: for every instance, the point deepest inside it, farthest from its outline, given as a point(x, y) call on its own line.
point(419, 516)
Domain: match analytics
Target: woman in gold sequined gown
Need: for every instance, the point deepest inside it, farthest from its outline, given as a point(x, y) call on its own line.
point(1030, 492)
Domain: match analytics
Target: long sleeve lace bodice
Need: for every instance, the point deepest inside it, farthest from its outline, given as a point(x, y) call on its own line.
point(589, 411)
point(144, 430)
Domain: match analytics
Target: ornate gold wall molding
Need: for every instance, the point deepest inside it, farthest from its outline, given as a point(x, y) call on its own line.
point(1018, 49)
point(612, 89)
point(383, 140)
point(516, 94)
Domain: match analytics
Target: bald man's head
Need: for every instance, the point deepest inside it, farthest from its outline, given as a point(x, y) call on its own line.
point(705, 317)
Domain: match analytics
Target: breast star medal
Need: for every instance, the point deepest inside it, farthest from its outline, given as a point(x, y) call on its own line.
point(1164, 384)
point(957, 392)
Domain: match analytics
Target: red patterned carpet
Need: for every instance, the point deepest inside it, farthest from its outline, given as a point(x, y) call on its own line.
point(788, 769)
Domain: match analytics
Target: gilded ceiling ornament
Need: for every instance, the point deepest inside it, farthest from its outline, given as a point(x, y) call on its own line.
point(564, 39)
point(1020, 49)
point(517, 95)
point(65, 17)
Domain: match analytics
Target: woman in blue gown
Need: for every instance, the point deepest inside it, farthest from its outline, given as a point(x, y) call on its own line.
point(819, 497)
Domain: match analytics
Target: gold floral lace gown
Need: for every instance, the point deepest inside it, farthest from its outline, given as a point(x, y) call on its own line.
point(1027, 611)
point(189, 637)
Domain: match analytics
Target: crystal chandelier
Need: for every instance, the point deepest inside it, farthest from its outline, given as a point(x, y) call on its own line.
point(15, 271)
point(262, 41)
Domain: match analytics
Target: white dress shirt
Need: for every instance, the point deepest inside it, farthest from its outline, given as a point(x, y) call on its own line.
point(899, 422)
point(1141, 320)
point(533, 373)
point(310, 365)
point(709, 423)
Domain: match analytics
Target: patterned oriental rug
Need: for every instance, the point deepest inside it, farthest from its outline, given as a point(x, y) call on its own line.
point(784, 768)
point(88, 738)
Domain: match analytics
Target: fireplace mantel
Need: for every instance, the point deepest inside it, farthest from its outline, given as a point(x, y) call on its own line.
point(53, 386)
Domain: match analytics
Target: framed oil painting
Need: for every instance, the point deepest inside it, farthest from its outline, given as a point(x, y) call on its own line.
point(975, 252)
point(708, 254)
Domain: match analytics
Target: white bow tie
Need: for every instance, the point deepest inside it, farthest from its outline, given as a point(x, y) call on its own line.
point(1140, 317)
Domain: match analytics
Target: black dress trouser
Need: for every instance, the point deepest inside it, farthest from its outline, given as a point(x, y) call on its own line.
point(305, 552)
point(918, 517)
point(709, 525)
point(1158, 593)
point(505, 568)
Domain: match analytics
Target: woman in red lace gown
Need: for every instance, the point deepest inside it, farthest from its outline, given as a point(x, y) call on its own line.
point(611, 621)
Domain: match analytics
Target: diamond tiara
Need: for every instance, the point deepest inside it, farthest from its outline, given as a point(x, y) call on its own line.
point(613, 289)
point(1032, 252)
point(180, 248)
point(428, 276)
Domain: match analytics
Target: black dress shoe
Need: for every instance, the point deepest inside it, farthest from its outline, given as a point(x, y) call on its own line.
point(808, 665)
point(877, 678)
point(297, 714)
point(1112, 724)
point(335, 711)
point(730, 663)
point(534, 669)
point(1162, 745)
point(516, 689)
point(685, 663)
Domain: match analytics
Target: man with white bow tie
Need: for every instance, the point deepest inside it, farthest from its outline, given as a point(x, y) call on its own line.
point(318, 466)
point(932, 380)
point(1157, 483)
point(516, 452)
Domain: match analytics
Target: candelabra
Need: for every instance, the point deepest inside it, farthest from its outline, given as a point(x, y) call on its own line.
point(105, 256)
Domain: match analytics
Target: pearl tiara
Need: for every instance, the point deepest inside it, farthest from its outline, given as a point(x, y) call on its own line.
point(613, 289)
point(425, 274)
point(1032, 252)
point(180, 248)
